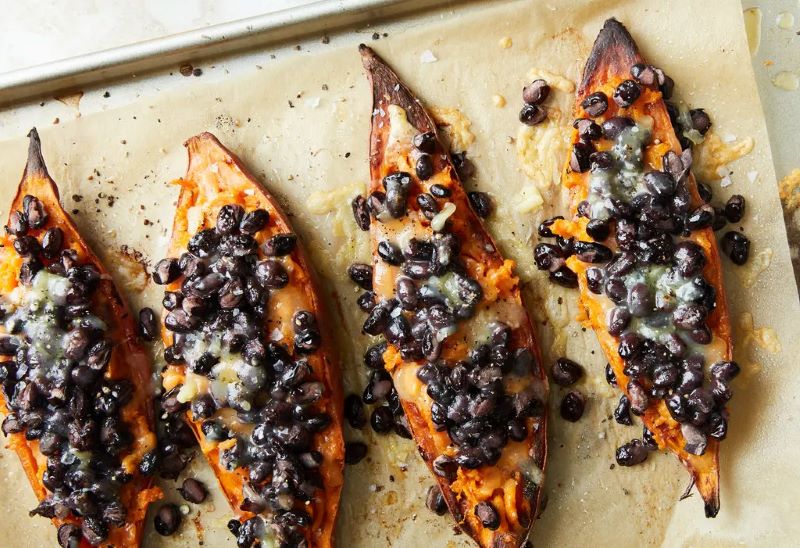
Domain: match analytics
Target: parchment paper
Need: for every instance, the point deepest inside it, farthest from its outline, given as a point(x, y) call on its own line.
point(302, 126)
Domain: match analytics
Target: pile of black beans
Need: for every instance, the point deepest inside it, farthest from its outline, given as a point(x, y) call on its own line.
point(642, 236)
point(60, 395)
point(470, 401)
point(224, 293)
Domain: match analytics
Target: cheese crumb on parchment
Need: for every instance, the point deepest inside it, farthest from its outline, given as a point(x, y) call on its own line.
point(556, 81)
point(789, 189)
point(712, 156)
point(756, 266)
point(765, 338)
point(456, 127)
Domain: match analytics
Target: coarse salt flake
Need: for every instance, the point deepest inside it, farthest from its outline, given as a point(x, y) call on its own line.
point(427, 56)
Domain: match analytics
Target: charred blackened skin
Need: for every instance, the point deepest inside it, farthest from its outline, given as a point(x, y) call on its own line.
point(246, 342)
point(427, 290)
point(90, 392)
point(658, 264)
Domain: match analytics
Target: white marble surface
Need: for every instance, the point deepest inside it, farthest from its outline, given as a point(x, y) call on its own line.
point(56, 29)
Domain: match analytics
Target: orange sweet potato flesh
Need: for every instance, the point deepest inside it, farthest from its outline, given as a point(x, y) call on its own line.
point(612, 56)
point(501, 484)
point(216, 177)
point(129, 360)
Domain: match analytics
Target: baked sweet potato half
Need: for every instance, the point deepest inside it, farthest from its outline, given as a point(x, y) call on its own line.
point(249, 355)
point(647, 261)
point(451, 325)
point(76, 390)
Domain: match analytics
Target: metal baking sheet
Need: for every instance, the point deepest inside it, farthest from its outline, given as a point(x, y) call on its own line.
point(135, 59)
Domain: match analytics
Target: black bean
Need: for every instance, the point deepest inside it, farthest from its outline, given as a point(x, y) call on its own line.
point(487, 515)
point(689, 258)
point(614, 126)
point(361, 274)
point(595, 104)
point(373, 357)
point(689, 316)
point(390, 253)
point(660, 184)
point(667, 87)
point(588, 130)
point(94, 530)
point(166, 271)
point(546, 256)
point(611, 377)
point(618, 320)
point(271, 274)
point(17, 224)
point(280, 245)
point(377, 319)
point(626, 93)
point(572, 406)
point(236, 245)
point(705, 192)
point(148, 326)
point(425, 142)
point(481, 203)
point(638, 397)
point(203, 243)
point(354, 452)
point(424, 167)
point(366, 301)
point(566, 372)
point(601, 161)
point(254, 221)
point(8, 345)
point(361, 212)
point(418, 270)
point(536, 92)
point(564, 277)
point(719, 221)
point(440, 191)
point(354, 411)
point(193, 491)
point(531, 115)
point(51, 242)
point(544, 230)
point(640, 300)
point(734, 208)
point(598, 230)
point(725, 371)
point(397, 187)
point(427, 205)
point(35, 212)
point(592, 252)
point(616, 290)
point(700, 120)
point(228, 218)
point(69, 536)
point(307, 341)
point(701, 217)
point(644, 74)
point(167, 520)
point(622, 413)
point(178, 321)
point(26, 246)
point(434, 501)
point(632, 453)
point(594, 280)
point(406, 293)
point(381, 419)
point(579, 160)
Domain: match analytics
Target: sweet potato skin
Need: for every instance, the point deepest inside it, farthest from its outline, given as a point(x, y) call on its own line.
point(129, 359)
point(205, 150)
point(613, 55)
point(480, 253)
